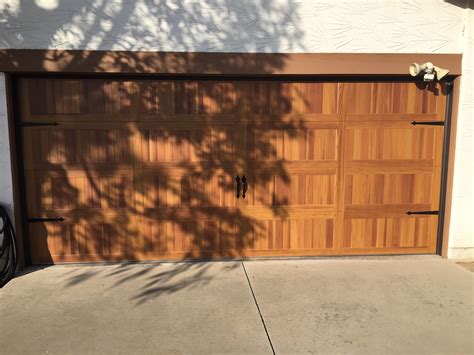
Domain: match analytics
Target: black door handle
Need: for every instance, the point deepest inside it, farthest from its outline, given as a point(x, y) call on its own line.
point(244, 186)
point(237, 180)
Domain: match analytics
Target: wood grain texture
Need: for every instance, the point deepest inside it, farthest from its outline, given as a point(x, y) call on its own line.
point(391, 166)
point(145, 169)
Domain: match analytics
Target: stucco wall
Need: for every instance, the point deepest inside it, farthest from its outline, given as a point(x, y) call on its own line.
point(6, 190)
point(358, 26)
point(461, 244)
point(423, 26)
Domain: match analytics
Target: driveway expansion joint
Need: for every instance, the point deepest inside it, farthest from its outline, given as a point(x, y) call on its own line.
point(258, 308)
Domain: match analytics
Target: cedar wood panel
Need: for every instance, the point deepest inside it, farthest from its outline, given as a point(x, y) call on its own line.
point(145, 169)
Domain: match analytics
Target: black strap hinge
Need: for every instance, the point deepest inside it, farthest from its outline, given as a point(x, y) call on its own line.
point(39, 220)
point(37, 124)
point(423, 212)
point(428, 123)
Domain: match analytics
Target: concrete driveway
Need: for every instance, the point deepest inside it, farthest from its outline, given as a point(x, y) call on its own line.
point(417, 305)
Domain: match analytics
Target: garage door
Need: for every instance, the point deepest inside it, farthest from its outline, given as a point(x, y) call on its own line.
point(153, 169)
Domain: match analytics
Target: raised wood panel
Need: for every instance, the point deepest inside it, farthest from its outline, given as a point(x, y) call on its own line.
point(152, 191)
point(55, 242)
point(292, 234)
point(308, 189)
point(77, 190)
point(161, 98)
point(81, 98)
point(390, 98)
point(287, 97)
point(375, 233)
point(390, 143)
point(365, 189)
point(69, 146)
point(49, 96)
point(191, 239)
point(187, 145)
point(308, 144)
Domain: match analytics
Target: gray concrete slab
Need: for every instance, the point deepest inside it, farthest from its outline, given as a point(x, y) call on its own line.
point(385, 305)
point(394, 305)
point(170, 309)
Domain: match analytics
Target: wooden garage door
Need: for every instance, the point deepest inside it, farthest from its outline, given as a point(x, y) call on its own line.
point(146, 169)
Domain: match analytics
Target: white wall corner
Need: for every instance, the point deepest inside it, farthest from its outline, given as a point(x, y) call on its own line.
point(6, 184)
point(461, 233)
point(461, 254)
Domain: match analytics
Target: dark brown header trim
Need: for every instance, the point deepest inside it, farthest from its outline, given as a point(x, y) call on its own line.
point(82, 61)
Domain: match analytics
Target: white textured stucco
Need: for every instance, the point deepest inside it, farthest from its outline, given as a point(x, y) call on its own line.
point(461, 243)
point(6, 190)
point(357, 26)
point(376, 26)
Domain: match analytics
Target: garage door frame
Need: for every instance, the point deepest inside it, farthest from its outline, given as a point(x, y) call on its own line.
point(17, 153)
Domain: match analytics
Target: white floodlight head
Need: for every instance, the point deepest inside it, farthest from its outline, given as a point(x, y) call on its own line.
point(429, 70)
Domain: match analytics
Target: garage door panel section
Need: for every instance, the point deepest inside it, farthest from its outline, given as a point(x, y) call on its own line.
point(90, 201)
point(82, 240)
point(74, 189)
point(393, 100)
point(293, 149)
point(389, 233)
point(287, 103)
point(189, 143)
point(79, 100)
point(292, 166)
point(186, 158)
point(297, 235)
point(390, 142)
point(184, 238)
point(85, 176)
point(79, 145)
point(401, 188)
point(391, 167)
point(80, 169)
point(213, 101)
point(161, 191)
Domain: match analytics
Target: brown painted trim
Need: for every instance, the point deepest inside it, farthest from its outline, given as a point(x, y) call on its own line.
point(450, 175)
point(198, 63)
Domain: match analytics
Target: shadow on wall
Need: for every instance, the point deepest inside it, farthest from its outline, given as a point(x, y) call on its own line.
point(463, 4)
point(169, 26)
point(107, 216)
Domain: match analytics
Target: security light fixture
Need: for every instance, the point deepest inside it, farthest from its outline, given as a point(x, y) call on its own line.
point(430, 71)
